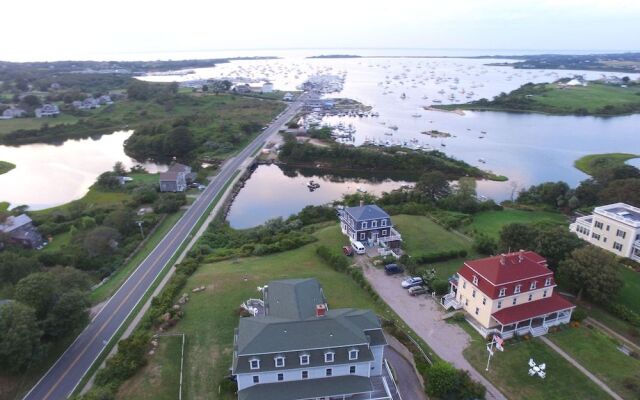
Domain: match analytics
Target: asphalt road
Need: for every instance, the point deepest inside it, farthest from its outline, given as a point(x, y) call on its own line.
point(65, 375)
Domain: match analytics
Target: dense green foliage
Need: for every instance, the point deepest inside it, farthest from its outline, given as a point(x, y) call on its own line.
point(444, 381)
point(6, 167)
point(19, 337)
point(593, 272)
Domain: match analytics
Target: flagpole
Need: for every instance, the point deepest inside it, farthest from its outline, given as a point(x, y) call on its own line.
point(490, 350)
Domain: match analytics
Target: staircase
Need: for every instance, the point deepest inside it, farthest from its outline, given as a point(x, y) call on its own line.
point(449, 301)
point(539, 330)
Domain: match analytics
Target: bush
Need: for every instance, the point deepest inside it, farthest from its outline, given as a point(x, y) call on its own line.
point(335, 259)
point(440, 286)
point(579, 315)
point(439, 256)
point(625, 313)
point(484, 244)
point(443, 380)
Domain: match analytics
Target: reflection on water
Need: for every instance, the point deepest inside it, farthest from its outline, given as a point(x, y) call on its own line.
point(269, 193)
point(47, 175)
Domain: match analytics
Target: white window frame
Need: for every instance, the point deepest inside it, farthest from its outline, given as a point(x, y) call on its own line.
point(364, 224)
point(534, 285)
point(544, 293)
point(352, 369)
point(280, 374)
point(530, 296)
point(257, 361)
point(503, 292)
point(302, 374)
point(353, 354)
point(384, 232)
point(363, 236)
point(500, 304)
point(475, 280)
point(383, 222)
point(256, 379)
point(517, 289)
point(329, 356)
point(473, 294)
point(617, 246)
point(547, 282)
point(304, 359)
point(374, 224)
point(515, 301)
point(328, 372)
point(484, 300)
point(279, 361)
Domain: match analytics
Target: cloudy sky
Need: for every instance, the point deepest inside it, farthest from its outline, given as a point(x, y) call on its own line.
point(137, 29)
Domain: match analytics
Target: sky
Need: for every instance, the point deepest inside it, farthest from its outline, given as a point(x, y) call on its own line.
point(142, 29)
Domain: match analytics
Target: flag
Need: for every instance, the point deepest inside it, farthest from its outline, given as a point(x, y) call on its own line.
point(499, 342)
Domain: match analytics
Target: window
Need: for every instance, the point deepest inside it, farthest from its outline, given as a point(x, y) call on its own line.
point(329, 372)
point(484, 300)
point(280, 377)
point(617, 246)
point(304, 359)
point(256, 379)
point(279, 361)
point(477, 310)
point(515, 300)
point(534, 285)
point(530, 297)
point(384, 232)
point(466, 302)
point(599, 225)
point(475, 280)
point(517, 289)
point(352, 369)
point(254, 363)
point(364, 225)
point(362, 236)
point(503, 291)
point(604, 239)
point(500, 304)
point(547, 282)
point(464, 284)
point(374, 224)
point(353, 354)
point(608, 228)
point(328, 356)
point(383, 222)
point(595, 236)
point(473, 294)
point(544, 294)
point(305, 374)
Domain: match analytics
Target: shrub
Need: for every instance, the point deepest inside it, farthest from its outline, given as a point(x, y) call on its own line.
point(579, 315)
point(625, 313)
point(437, 256)
point(440, 286)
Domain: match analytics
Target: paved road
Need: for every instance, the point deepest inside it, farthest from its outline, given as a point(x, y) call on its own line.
point(63, 377)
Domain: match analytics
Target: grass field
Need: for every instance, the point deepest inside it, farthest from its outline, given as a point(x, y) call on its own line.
point(509, 371)
point(592, 162)
point(6, 167)
point(421, 235)
point(491, 222)
point(630, 293)
point(600, 355)
point(14, 124)
point(211, 315)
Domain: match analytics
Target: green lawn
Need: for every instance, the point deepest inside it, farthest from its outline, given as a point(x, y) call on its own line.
point(14, 124)
point(491, 222)
point(421, 235)
point(599, 354)
point(6, 167)
point(592, 162)
point(630, 293)
point(509, 372)
point(211, 315)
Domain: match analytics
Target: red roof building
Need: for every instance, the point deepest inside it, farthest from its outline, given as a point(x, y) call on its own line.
point(509, 294)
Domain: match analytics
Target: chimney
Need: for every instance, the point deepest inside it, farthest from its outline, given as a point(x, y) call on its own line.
point(503, 259)
point(520, 255)
point(321, 310)
point(361, 203)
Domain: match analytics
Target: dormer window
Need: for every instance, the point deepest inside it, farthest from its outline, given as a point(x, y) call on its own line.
point(279, 361)
point(329, 356)
point(547, 282)
point(304, 359)
point(353, 354)
point(383, 222)
point(517, 289)
point(364, 225)
point(254, 363)
point(503, 291)
point(374, 224)
point(534, 284)
point(475, 280)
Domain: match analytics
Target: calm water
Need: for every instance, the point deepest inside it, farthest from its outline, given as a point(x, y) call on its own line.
point(48, 175)
point(269, 193)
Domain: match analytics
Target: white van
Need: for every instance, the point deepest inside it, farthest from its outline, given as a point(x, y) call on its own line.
point(358, 247)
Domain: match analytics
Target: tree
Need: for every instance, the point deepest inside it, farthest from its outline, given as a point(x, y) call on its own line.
point(69, 312)
point(441, 379)
point(516, 236)
point(433, 186)
point(484, 244)
point(145, 194)
point(14, 266)
point(119, 169)
point(622, 190)
point(19, 336)
point(121, 219)
point(101, 241)
point(593, 272)
point(108, 180)
point(554, 243)
point(168, 203)
point(37, 291)
point(179, 142)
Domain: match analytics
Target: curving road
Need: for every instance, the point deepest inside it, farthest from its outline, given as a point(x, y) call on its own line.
point(65, 375)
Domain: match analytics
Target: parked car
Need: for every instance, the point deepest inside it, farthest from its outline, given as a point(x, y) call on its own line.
point(392, 269)
point(358, 247)
point(411, 282)
point(347, 250)
point(417, 290)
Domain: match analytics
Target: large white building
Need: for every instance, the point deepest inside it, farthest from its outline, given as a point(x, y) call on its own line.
point(295, 348)
point(614, 227)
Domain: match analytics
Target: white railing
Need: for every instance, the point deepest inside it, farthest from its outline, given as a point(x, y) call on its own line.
point(394, 235)
point(449, 300)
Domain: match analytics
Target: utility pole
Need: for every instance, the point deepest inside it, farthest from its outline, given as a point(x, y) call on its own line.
point(140, 226)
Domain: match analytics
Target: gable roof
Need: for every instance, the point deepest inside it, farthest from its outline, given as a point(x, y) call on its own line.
point(506, 268)
point(13, 223)
point(366, 212)
point(177, 167)
point(293, 298)
point(168, 176)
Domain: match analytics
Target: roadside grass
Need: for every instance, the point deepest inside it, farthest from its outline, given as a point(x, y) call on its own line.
point(212, 315)
point(118, 277)
point(593, 162)
point(491, 222)
point(14, 124)
point(509, 371)
point(6, 167)
point(630, 293)
point(599, 354)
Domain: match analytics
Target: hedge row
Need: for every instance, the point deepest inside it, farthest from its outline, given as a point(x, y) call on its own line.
point(625, 313)
point(436, 256)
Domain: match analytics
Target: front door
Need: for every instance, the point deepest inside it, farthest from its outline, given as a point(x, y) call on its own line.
point(374, 237)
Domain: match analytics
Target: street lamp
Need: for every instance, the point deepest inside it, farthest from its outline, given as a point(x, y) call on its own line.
point(139, 223)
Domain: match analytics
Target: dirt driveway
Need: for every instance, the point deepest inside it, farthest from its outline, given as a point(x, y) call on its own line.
point(424, 315)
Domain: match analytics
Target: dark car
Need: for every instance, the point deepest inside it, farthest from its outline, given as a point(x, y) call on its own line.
point(392, 269)
point(417, 290)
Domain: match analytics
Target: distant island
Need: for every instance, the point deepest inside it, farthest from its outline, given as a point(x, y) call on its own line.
point(336, 56)
point(615, 96)
point(6, 167)
point(614, 62)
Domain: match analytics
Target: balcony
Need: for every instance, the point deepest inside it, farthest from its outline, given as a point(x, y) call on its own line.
point(394, 235)
point(449, 301)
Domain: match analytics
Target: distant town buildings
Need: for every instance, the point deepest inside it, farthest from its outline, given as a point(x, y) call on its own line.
point(175, 179)
point(510, 294)
point(13, 112)
point(614, 227)
point(287, 97)
point(47, 110)
point(294, 347)
point(21, 231)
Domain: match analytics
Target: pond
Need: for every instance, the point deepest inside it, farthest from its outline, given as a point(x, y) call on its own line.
point(47, 175)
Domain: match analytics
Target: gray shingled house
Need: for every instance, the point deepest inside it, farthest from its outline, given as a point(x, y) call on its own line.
point(295, 348)
point(20, 230)
point(369, 224)
point(175, 179)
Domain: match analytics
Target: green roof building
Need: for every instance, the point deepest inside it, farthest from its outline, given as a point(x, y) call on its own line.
point(295, 348)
